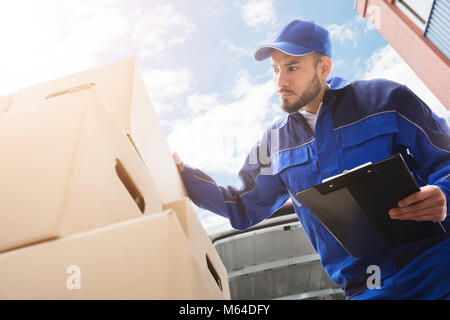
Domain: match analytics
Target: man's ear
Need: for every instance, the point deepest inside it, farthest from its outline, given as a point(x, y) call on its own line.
point(325, 67)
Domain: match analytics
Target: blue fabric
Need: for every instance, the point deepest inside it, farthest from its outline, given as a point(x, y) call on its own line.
point(298, 38)
point(425, 278)
point(359, 122)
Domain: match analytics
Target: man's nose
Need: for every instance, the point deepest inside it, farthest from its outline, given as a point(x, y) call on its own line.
point(282, 80)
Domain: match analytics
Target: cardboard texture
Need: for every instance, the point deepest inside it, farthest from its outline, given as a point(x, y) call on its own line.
point(68, 167)
point(5, 101)
point(124, 92)
point(92, 205)
point(150, 257)
point(200, 240)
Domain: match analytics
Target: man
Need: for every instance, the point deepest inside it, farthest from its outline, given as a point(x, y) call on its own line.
point(333, 125)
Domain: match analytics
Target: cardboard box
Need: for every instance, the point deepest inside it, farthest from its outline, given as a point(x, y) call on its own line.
point(5, 101)
point(68, 167)
point(200, 240)
point(150, 257)
point(124, 92)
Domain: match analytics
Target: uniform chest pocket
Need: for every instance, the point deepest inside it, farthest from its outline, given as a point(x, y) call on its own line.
point(371, 139)
point(296, 167)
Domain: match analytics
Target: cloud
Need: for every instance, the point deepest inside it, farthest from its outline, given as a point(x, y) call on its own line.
point(350, 31)
point(368, 26)
point(258, 12)
point(338, 63)
point(33, 38)
point(219, 135)
point(157, 28)
point(46, 39)
point(386, 63)
point(168, 83)
point(201, 103)
point(215, 8)
point(211, 222)
point(344, 32)
point(229, 45)
point(167, 88)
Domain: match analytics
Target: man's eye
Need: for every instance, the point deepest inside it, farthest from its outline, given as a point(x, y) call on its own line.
point(276, 70)
point(293, 68)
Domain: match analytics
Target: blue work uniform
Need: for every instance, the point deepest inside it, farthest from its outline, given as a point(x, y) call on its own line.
point(358, 122)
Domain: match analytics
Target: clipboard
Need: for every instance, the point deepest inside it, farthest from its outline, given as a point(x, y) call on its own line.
point(354, 207)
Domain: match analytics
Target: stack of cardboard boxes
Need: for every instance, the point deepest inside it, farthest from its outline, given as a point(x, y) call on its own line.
point(91, 203)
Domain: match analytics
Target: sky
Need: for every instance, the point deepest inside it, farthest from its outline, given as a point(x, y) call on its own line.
point(213, 99)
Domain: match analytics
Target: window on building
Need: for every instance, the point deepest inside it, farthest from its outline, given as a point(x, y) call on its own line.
point(438, 26)
point(418, 11)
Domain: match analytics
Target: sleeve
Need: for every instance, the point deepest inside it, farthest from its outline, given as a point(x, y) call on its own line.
point(261, 194)
point(427, 139)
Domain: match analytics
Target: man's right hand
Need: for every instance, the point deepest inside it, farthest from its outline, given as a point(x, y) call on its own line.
point(178, 162)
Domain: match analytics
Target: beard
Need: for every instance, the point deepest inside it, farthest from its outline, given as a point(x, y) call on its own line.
point(310, 93)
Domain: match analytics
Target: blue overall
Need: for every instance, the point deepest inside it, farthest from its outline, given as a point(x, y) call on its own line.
point(358, 122)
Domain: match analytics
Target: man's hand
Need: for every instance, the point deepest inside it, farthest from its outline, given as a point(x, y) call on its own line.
point(429, 204)
point(178, 162)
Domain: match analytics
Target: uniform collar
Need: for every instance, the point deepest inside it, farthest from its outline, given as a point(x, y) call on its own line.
point(337, 83)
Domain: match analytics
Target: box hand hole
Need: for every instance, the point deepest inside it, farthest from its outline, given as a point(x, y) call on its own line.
point(129, 185)
point(71, 90)
point(213, 272)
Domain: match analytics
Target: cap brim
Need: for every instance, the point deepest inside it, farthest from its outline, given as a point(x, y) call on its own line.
point(264, 51)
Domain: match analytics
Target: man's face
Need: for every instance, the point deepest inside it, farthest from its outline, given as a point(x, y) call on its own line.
point(296, 79)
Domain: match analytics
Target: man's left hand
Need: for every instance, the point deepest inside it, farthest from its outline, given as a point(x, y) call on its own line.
point(429, 204)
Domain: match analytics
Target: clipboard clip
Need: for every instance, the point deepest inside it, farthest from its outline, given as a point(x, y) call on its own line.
point(343, 180)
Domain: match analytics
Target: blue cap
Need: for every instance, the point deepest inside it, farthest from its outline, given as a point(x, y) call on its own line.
point(297, 39)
